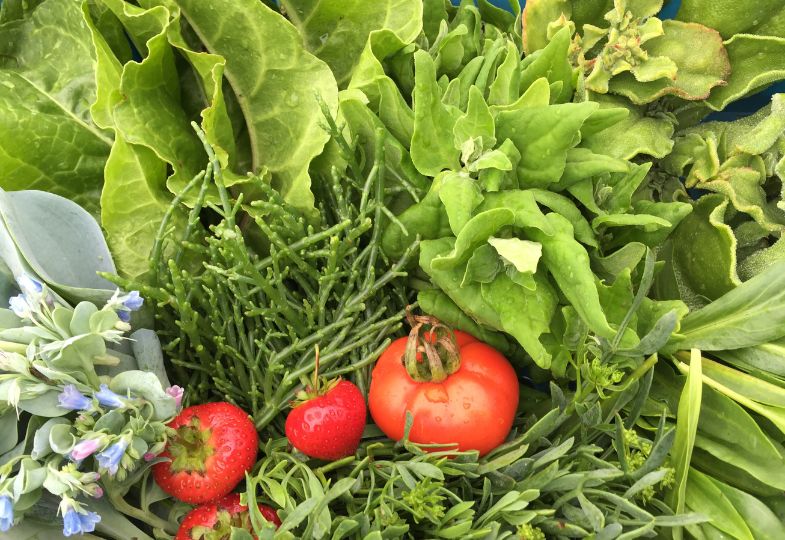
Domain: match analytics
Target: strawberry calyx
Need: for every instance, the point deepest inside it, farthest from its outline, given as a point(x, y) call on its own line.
point(317, 387)
point(432, 352)
point(222, 528)
point(190, 447)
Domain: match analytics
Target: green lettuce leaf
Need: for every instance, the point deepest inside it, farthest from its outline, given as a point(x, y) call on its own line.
point(699, 54)
point(277, 92)
point(337, 30)
point(731, 17)
point(48, 140)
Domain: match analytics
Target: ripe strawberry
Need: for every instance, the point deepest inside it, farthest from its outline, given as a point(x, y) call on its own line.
point(214, 521)
point(214, 446)
point(328, 423)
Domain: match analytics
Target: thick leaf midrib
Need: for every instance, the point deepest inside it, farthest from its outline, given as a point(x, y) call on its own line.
point(87, 127)
point(242, 98)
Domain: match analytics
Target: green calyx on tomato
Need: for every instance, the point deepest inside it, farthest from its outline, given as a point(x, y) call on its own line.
point(432, 352)
point(471, 407)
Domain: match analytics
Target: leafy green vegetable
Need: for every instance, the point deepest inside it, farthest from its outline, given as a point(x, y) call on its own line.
point(336, 31)
point(539, 189)
point(348, 301)
point(49, 140)
point(277, 97)
point(729, 18)
point(686, 427)
point(748, 315)
point(528, 486)
point(38, 228)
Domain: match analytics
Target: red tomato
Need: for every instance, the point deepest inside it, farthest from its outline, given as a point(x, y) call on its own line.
point(474, 407)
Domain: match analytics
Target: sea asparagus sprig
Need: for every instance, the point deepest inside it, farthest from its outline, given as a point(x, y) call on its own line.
point(274, 281)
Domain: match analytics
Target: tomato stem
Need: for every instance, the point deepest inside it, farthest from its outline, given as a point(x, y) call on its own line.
point(435, 341)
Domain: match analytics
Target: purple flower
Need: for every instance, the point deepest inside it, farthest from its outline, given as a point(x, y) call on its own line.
point(107, 398)
point(124, 316)
point(84, 449)
point(73, 399)
point(133, 301)
point(29, 286)
point(20, 306)
point(148, 456)
point(6, 513)
point(79, 522)
point(177, 393)
point(110, 458)
point(94, 490)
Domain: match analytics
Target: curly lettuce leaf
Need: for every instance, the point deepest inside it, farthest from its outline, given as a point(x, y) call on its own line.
point(48, 140)
point(731, 17)
point(699, 55)
point(277, 91)
point(756, 61)
point(337, 30)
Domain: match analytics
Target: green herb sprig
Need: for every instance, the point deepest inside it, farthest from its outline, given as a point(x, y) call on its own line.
point(273, 282)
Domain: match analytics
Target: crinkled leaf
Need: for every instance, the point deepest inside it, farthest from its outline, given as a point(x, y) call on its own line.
point(151, 113)
point(133, 202)
point(761, 259)
point(47, 139)
point(336, 30)
point(743, 188)
point(278, 97)
point(700, 256)
point(701, 59)
point(730, 17)
point(756, 61)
